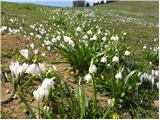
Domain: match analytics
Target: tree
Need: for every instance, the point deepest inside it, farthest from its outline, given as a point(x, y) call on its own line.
point(94, 4)
point(87, 4)
point(102, 2)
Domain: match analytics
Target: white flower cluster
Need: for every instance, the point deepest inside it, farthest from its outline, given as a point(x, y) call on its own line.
point(150, 77)
point(43, 90)
point(35, 69)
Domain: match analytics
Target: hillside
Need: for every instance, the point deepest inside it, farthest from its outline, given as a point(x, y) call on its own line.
point(102, 60)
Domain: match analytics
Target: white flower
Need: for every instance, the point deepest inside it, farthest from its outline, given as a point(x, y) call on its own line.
point(48, 42)
point(40, 93)
point(88, 78)
point(48, 83)
point(85, 37)
point(24, 66)
point(151, 78)
point(105, 34)
point(124, 33)
point(54, 40)
point(115, 38)
point(48, 48)
point(16, 69)
point(42, 67)
point(118, 76)
point(35, 51)
point(103, 60)
point(32, 34)
point(104, 39)
point(155, 73)
point(94, 37)
point(144, 47)
point(24, 53)
point(33, 69)
point(66, 38)
point(78, 29)
point(99, 32)
point(43, 54)
point(46, 108)
point(157, 85)
point(115, 59)
point(89, 32)
point(111, 102)
point(58, 37)
point(92, 69)
point(32, 45)
point(108, 65)
point(127, 53)
point(70, 42)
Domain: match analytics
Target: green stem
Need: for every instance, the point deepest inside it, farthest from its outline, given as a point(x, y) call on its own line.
point(94, 97)
point(113, 89)
point(38, 110)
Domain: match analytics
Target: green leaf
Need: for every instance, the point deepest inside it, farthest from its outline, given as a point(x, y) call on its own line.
point(28, 107)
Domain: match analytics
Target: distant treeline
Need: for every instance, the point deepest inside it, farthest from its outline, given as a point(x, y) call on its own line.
point(102, 2)
point(99, 3)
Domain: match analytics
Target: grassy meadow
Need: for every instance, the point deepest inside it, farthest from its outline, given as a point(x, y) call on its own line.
point(99, 62)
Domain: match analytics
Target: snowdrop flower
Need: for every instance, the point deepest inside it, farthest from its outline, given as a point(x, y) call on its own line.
point(54, 40)
point(104, 39)
point(127, 53)
point(144, 47)
point(24, 66)
point(105, 34)
point(35, 51)
point(48, 83)
point(99, 32)
point(150, 63)
point(48, 42)
point(89, 32)
point(115, 38)
point(118, 76)
point(33, 69)
point(58, 37)
point(157, 84)
point(78, 29)
point(92, 69)
point(150, 79)
point(88, 78)
point(42, 67)
point(103, 60)
point(48, 48)
point(111, 102)
point(66, 38)
point(115, 59)
point(31, 34)
point(43, 54)
point(38, 36)
point(32, 45)
point(94, 37)
point(24, 53)
point(39, 93)
point(70, 42)
point(46, 108)
point(124, 33)
point(16, 69)
point(43, 45)
point(108, 65)
point(155, 73)
point(85, 37)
